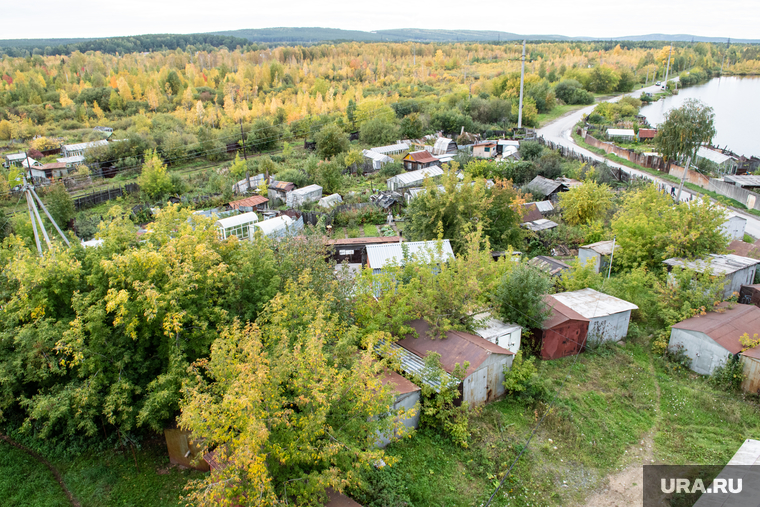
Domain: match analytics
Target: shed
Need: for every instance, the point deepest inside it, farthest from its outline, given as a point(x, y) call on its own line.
point(330, 201)
point(301, 196)
point(255, 201)
point(277, 227)
point(378, 159)
point(407, 397)
point(710, 339)
point(484, 377)
point(744, 181)
point(411, 193)
point(236, 225)
point(506, 336)
point(445, 146)
point(751, 250)
point(278, 191)
point(734, 227)
point(543, 206)
point(509, 152)
point(14, 159)
point(647, 134)
point(550, 265)
point(484, 150)
point(413, 178)
point(72, 161)
point(750, 294)
point(378, 256)
point(54, 170)
point(735, 269)
point(599, 253)
point(545, 187)
point(563, 333)
point(419, 160)
point(531, 213)
point(621, 134)
point(354, 250)
point(608, 316)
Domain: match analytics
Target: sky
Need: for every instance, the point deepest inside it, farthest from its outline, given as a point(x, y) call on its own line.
point(592, 18)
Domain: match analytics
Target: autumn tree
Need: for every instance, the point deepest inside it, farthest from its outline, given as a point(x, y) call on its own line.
point(586, 203)
point(684, 130)
point(154, 180)
point(450, 212)
point(297, 368)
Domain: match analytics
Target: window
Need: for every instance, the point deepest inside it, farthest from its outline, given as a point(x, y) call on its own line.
point(345, 252)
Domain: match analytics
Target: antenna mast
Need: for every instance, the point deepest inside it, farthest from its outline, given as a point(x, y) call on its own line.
point(522, 80)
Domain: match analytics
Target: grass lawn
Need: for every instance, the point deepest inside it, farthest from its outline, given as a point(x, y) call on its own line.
point(557, 112)
point(371, 231)
point(102, 479)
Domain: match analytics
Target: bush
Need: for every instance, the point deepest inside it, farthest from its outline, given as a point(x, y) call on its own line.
point(530, 150)
point(730, 376)
point(61, 206)
point(331, 140)
point(154, 180)
point(519, 297)
point(391, 169)
point(522, 379)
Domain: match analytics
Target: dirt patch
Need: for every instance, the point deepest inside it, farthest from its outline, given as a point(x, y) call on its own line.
point(56, 473)
point(626, 488)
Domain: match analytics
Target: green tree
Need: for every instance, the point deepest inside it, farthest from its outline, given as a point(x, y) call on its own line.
point(603, 79)
point(519, 297)
point(298, 367)
point(331, 140)
point(153, 179)
point(239, 167)
point(581, 276)
point(587, 203)
point(263, 136)
point(379, 131)
point(61, 206)
point(448, 213)
point(684, 130)
point(650, 228)
point(504, 216)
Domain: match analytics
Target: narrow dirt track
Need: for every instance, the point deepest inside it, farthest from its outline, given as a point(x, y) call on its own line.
point(56, 473)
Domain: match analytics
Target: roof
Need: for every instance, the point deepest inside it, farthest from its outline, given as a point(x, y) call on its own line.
point(275, 224)
point(540, 225)
point(412, 364)
point(713, 155)
point(282, 186)
point(416, 176)
point(743, 249)
point(374, 155)
point(726, 326)
point(84, 146)
point(747, 180)
point(485, 143)
point(54, 165)
point(532, 213)
point(308, 190)
point(378, 256)
point(71, 160)
point(508, 142)
point(720, 264)
point(620, 132)
point(241, 219)
point(253, 201)
point(422, 156)
point(457, 347)
point(593, 304)
point(335, 499)
point(647, 133)
point(392, 148)
point(552, 266)
point(15, 156)
point(543, 186)
point(543, 206)
point(492, 328)
point(399, 383)
point(560, 314)
point(441, 145)
point(601, 247)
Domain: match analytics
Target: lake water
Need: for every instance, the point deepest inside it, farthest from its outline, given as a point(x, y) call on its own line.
point(736, 101)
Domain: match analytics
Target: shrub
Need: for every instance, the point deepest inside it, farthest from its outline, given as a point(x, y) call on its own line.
point(730, 376)
point(522, 379)
point(154, 180)
point(61, 206)
point(530, 150)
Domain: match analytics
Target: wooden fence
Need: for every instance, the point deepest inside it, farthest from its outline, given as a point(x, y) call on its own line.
point(95, 198)
point(567, 152)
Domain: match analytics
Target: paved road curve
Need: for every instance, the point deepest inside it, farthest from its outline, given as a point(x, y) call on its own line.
point(559, 132)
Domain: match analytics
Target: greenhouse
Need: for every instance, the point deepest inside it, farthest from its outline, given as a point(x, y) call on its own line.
point(304, 195)
point(236, 225)
point(277, 227)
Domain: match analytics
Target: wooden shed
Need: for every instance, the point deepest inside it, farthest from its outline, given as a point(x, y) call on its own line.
point(750, 294)
point(563, 333)
point(182, 449)
point(599, 253)
point(484, 380)
point(417, 160)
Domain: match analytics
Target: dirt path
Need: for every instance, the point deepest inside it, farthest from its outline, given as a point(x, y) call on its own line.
point(626, 488)
point(56, 473)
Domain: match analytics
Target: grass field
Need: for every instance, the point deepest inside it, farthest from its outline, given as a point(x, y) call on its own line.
point(557, 112)
point(371, 231)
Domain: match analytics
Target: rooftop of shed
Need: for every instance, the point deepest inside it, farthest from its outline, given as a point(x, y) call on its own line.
point(720, 264)
point(593, 304)
point(378, 256)
point(751, 250)
point(601, 247)
point(456, 347)
point(253, 201)
point(726, 325)
point(560, 313)
point(422, 156)
point(544, 186)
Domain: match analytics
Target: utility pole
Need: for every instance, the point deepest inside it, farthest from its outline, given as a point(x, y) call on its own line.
point(667, 71)
point(245, 156)
point(683, 178)
point(612, 255)
point(522, 81)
